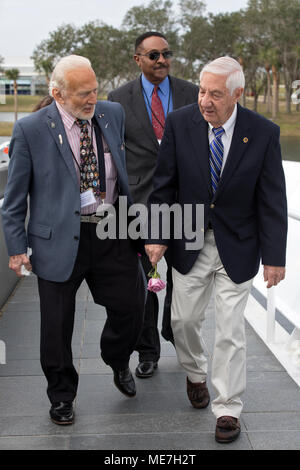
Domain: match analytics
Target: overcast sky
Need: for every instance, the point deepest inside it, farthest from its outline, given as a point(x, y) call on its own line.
point(25, 23)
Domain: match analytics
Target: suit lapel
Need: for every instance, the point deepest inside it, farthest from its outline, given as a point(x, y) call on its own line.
point(198, 132)
point(178, 95)
point(240, 142)
point(138, 106)
point(57, 130)
point(103, 122)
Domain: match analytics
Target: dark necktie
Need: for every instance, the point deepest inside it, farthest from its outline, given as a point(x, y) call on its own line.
point(89, 173)
point(158, 115)
point(216, 157)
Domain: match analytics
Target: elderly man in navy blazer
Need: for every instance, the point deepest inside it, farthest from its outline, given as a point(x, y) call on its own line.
point(227, 158)
point(68, 157)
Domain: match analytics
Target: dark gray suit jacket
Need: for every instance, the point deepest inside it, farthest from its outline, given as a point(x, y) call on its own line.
point(140, 141)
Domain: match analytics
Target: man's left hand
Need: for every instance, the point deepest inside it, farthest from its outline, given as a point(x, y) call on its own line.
point(273, 275)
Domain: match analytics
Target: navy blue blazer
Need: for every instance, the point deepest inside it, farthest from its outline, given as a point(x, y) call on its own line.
point(42, 167)
point(248, 211)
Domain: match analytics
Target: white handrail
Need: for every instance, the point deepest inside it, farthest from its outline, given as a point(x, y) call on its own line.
point(2, 352)
point(294, 215)
point(271, 307)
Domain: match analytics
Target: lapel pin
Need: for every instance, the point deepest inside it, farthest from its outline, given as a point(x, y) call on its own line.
point(101, 116)
point(60, 139)
point(53, 125)
point(245, 140)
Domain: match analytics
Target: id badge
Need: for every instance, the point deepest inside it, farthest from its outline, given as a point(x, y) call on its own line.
point(87, 198)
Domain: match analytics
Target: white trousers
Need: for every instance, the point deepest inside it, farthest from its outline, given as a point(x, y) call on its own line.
point(191, 295)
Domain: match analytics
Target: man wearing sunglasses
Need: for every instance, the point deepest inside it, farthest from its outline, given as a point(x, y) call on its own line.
point(147, 100)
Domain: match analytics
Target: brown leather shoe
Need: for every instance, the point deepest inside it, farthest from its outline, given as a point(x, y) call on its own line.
point(228, 429)
point(198, 394)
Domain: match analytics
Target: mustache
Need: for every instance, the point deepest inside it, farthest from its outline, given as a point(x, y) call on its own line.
point(162, 66)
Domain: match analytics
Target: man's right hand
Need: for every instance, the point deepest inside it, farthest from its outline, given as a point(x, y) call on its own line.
point(16, 262)
point(155, 253)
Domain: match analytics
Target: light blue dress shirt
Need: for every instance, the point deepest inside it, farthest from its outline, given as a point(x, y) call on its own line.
point(164, 93)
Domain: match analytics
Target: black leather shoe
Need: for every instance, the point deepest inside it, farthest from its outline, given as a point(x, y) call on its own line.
point(145, 369)
point(124, 382)
point(62, 413)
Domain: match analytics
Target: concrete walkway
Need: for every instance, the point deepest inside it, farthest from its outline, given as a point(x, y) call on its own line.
point(160, 417)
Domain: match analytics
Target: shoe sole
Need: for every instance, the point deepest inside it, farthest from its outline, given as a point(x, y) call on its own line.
point(145, 376)
point(200, 407)
point(227, 441)
point(64, 423)
point(124, 393)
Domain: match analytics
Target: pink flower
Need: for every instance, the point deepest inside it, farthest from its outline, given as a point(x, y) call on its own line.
point(155, 284)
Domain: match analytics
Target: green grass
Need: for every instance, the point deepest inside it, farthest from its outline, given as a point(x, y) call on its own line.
point(25, 103)
point(6, 128)
point(289, 123)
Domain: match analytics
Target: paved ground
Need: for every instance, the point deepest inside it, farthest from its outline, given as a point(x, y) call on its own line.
point(158, 418)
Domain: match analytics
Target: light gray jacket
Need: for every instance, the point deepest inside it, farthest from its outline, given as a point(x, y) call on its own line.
point(43, 169)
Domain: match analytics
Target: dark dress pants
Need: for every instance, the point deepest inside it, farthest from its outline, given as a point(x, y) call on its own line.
point(114, 275)
point(148, 345)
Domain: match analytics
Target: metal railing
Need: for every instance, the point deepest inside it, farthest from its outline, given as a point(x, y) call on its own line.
point(8, 278)
point(285, 299)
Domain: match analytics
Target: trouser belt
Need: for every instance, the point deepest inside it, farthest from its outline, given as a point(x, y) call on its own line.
point(92, 218)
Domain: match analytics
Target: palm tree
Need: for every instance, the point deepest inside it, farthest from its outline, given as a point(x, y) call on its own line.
point(13, 74)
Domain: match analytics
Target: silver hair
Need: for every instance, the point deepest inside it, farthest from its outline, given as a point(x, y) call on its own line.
point(65, 64)
point(227, 66)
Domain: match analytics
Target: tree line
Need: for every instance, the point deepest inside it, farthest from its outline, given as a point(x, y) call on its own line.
point(264, 38)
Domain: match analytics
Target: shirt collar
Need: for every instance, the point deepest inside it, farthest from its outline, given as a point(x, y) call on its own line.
point(148, 86)
point(67, 118)
point(228, 126)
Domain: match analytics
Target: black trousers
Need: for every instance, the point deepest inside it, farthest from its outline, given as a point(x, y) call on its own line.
point(113, 273)
point(148, 345)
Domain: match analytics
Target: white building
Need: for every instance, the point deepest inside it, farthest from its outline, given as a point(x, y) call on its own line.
point(29, 82)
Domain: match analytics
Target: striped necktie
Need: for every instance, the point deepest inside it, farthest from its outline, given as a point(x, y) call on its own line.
point(216, 157)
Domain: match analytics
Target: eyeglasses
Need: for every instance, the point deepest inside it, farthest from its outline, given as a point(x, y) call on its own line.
point(155, 55)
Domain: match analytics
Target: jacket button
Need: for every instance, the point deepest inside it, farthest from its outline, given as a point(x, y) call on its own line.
point(212, 206)
point(77, 213)
point(75, 237)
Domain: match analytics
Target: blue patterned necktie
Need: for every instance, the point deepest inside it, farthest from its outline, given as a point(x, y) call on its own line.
point(89, 174)
point(216, 157)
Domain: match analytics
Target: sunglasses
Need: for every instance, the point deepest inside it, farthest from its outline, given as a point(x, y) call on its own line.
point(155, 55)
